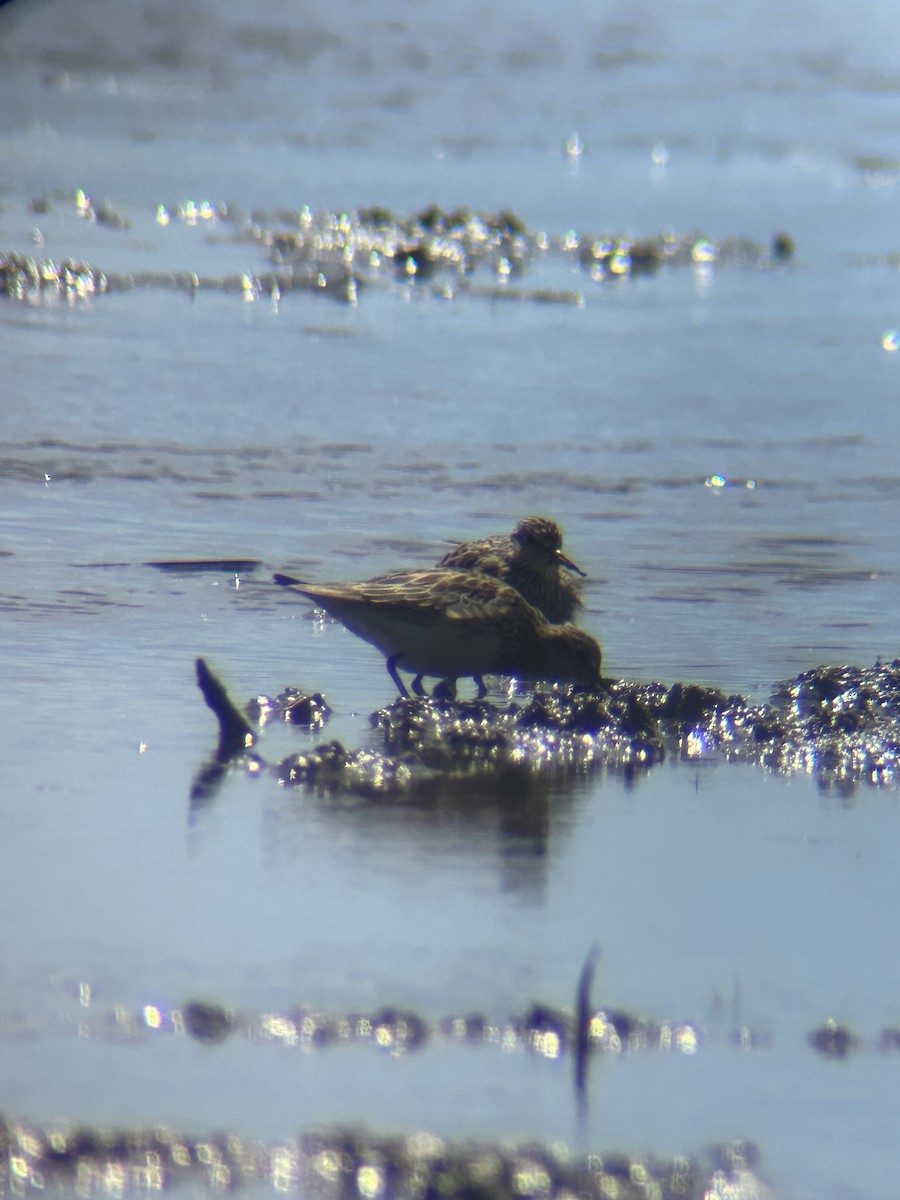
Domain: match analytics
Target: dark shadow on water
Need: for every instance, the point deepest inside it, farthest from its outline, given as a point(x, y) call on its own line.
point(510, 819)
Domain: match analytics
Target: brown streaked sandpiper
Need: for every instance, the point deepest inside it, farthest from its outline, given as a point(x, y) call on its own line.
point(455, 624)
point(531, 560)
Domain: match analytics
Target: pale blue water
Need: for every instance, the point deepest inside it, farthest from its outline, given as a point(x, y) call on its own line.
point(140, 426)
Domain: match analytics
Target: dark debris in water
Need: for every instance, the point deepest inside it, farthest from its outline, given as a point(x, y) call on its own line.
point(561, 730)
point(462, 252)
point(423, 1165)
point(26, 278)
point(197, 566)
point(448, 250)
point(840, 724)
point(541, 1030)
point(835, 1041)
point(581, 1035)
point(344, 1163)
point(331, 768)
point(293, 706)
point(236, 735)
point(348, 1162)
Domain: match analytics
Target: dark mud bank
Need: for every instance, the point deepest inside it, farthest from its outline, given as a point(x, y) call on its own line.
point(346, 1162)
point(840, 724)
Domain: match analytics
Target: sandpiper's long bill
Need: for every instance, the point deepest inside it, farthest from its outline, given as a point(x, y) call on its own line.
point(454, 624)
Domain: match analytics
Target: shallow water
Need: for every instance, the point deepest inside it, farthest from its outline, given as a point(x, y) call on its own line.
point(719, 443)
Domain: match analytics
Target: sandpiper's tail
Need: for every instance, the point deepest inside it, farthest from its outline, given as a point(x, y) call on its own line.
point(286, 580)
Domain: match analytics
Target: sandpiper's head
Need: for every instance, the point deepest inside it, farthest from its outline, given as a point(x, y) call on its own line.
point(575, 656)
point(538, 533)
point(542, 537)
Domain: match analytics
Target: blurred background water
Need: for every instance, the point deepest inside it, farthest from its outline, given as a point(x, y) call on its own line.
point(719, 442)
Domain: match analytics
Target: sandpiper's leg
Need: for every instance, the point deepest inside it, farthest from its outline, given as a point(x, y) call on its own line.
point(482, 689)
point(392, 671)
point(417, 686)
point(444, 690)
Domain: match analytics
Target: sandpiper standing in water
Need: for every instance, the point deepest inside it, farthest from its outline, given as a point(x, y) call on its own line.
point(453, 624)
point(531, 560)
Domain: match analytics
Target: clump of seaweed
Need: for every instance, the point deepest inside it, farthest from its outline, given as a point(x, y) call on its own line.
point(840, 724)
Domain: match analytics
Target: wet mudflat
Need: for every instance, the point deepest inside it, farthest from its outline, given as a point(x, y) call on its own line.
point(550, 283)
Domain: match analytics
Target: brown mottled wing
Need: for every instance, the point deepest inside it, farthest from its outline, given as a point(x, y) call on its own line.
point(421, 595)
point(451, 593)
point(489, 555)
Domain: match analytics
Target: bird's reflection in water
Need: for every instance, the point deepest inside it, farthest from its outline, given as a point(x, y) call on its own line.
point(511, 817)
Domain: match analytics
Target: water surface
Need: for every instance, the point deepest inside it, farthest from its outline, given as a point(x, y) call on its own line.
point(719, 443)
